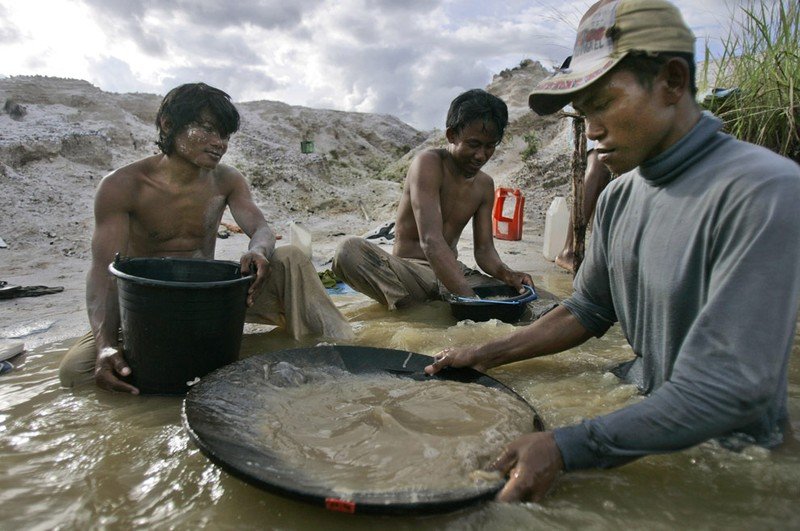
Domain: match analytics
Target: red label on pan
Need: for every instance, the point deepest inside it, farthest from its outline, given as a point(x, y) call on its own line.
point(341, 506)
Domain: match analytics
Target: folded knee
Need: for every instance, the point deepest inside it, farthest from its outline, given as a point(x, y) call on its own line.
point(72, 373)
point(347, 252)
point(66, 374)
point(77, 365)
point(287, 254)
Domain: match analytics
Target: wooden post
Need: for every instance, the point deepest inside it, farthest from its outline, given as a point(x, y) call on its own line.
point(578, 167)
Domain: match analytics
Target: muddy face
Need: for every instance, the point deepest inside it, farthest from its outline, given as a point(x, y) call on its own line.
point(201, 143)
point(473, 146)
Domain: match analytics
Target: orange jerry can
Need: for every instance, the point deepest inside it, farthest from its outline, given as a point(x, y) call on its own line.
point(507, 214)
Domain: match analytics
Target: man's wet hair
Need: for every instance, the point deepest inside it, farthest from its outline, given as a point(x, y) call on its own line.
point(477, 104)
point(184, 104)
point(646, 66)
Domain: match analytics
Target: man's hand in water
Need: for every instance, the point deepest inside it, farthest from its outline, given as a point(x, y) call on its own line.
point(454, 357)
point(532, 463)
point(254, 261)
point(108, 369)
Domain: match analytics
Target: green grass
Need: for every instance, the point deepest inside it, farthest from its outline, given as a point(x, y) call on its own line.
point(531, 145)
point(761, 56)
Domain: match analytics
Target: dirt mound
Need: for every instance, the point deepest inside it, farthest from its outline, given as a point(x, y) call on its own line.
point(339, 178)
point(71, 134)
point(513, 86)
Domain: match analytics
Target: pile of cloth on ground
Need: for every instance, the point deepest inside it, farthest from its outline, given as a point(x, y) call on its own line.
point(10, 291)
point(383, 234)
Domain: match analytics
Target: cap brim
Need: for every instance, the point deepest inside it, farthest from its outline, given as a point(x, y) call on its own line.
point(544, 104)
point(556, 91)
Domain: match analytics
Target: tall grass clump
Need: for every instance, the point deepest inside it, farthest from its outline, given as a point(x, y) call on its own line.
point(761, 58)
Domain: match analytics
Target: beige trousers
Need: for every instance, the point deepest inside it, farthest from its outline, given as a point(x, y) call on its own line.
point(292, 298)
point(393, 281)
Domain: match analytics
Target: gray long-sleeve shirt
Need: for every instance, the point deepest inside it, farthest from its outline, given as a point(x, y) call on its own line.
point(697, 254)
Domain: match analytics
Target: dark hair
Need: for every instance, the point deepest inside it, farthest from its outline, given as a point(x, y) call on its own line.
point(184, 104)
point(646, 66)
point(477, 104)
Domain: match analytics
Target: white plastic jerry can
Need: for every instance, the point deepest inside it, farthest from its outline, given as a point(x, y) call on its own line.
point(556, 225)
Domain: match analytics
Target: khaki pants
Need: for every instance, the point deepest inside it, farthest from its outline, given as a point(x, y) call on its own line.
point(292, 298)
point(393, 281)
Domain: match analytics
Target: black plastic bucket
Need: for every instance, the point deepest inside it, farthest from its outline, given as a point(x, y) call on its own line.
point(181, 319)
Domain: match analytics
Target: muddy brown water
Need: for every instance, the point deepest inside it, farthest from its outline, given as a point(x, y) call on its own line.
point(366, 430)
point(93, 460)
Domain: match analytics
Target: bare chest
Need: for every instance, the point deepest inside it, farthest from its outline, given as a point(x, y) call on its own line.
point(177, 221)
point(458, 202)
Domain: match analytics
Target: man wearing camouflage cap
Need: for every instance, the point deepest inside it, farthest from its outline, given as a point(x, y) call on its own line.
point(681, 243)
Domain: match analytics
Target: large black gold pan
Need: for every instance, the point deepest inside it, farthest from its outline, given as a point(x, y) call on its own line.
point(220, 414)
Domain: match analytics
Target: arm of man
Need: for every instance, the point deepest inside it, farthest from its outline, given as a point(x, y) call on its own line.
point(726, 374)
point(485, 252)
point(425, 179)
point(733, 359)
point(556, 331)
point(251, 220)
point(729, 367)
point(111, 210)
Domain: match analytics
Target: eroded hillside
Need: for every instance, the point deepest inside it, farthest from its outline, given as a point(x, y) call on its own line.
point(70, 133)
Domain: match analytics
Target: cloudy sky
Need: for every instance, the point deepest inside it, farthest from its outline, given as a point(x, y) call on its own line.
point(408, 58)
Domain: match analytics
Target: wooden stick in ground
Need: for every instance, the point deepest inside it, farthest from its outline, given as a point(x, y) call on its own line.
point(578, 167)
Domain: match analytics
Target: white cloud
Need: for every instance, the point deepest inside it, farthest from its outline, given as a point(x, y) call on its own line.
point(406, 58)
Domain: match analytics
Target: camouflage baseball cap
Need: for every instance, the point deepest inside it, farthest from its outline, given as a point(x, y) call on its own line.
point(608, 31)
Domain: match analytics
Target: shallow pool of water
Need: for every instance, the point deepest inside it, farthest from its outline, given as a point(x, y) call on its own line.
point(91, 459)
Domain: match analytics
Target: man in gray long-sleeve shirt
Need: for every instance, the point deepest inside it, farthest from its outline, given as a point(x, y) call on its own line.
point(682, 245)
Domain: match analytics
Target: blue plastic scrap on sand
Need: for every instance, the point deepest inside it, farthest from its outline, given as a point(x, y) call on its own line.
point(340, 289)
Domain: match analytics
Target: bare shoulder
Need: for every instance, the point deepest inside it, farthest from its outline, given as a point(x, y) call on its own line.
point(430, 157)
point(128, 177)
point(428, 163)
point(228, 177)
point(484, 180)
point(483, 188)
point(431, 154)
point(228, 172)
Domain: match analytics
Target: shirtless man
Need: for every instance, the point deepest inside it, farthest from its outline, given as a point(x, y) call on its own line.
point(444, 190)
point(171, 205)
